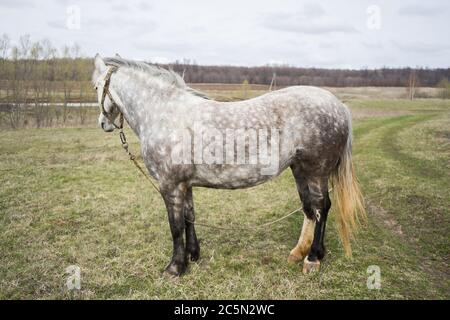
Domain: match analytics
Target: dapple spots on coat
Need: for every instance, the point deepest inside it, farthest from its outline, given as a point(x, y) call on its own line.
point(301, 120)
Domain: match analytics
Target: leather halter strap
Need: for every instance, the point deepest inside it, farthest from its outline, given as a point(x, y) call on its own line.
point(105, 93)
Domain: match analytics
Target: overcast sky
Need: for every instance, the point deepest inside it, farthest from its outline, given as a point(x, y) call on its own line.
point(325, 34)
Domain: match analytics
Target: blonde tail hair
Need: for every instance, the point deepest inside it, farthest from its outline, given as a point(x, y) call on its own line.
point(347, 196)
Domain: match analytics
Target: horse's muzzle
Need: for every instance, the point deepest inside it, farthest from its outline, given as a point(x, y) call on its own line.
point(107, 128)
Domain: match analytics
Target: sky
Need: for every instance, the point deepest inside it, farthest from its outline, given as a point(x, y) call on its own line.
point(323, 34)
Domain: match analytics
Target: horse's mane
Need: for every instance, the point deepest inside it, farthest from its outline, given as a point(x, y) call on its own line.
point(168, 76)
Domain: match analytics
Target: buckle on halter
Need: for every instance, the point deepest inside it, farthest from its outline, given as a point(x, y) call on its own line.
point(123, 139)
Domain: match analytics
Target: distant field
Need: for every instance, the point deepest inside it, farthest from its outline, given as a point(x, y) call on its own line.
point(226, 92)
point(69, 196)
point(52, 113)
point(236, 91)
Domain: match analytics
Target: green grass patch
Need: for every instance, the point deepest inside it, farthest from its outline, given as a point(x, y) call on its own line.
point(71, 197)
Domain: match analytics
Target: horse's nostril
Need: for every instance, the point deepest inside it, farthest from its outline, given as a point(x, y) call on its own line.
point(103, 125)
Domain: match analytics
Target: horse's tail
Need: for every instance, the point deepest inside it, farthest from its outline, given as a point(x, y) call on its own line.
point(347, 195)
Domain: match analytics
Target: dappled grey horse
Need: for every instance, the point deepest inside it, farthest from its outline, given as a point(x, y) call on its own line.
point(188, 140)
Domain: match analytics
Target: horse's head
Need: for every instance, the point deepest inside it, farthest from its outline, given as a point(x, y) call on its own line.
point(108, 109)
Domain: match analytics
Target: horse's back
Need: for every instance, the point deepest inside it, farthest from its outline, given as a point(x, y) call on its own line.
point(319, 124)
point(291, 101)
point(311, 127)
point(306, 97)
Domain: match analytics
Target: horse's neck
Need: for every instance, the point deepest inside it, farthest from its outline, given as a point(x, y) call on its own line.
point(141, 106)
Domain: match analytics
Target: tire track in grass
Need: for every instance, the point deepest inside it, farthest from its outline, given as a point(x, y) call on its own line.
point(422, 236)
point(363, 128)
point(435, 262)
point(369, 163)
point(391, 147)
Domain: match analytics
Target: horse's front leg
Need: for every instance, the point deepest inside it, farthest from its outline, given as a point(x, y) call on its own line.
point(192, 245)
point(174, 198)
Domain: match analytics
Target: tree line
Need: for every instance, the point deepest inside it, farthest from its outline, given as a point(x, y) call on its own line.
point(41, 83)
point(40, 60)
point(289, 76)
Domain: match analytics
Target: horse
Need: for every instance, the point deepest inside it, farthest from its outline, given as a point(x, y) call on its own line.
point(189, 140)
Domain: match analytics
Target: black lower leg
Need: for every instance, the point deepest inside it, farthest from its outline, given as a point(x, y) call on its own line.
point(320, 206)
point(317, 248)
point(174, 199)
point(192, 245)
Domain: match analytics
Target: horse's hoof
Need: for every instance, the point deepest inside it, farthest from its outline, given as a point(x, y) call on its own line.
point(173, 271)
point(194, 253)
point(195, 256)
point(293, 259)
point(310, 266)
point(169, 276)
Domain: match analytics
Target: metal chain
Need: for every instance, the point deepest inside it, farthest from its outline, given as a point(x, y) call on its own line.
point(132, 157)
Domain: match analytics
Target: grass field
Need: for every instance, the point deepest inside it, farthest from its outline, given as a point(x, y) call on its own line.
point(226, 92)
point(71, 197)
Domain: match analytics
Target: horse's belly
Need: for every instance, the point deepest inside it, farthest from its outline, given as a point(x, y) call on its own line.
point(232, 176)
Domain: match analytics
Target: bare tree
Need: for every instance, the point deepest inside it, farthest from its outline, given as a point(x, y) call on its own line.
point(15, 107)
point(4, 52)
point(5, 44)
point(49, 55)
point(245, 88)
point(82, 111)
point(273, 82)
point(67, 86)
point(412, 84)
point(77, 78)
point(444, 85)
point(35, 75)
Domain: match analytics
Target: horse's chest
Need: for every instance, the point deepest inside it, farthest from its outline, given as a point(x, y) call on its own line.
point(155, 159)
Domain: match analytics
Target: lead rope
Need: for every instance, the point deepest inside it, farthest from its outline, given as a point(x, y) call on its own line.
point(245, 228)
point(125, 146)
point(123, 140)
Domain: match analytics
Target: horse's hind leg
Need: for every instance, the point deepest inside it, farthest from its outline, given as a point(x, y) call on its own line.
point(304, 242)
point(316, 204)
point(320, 205)
point(307, 234)
point(192, 245)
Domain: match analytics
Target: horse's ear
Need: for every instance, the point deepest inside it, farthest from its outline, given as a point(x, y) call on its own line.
point(99, 63)
point(118, 56)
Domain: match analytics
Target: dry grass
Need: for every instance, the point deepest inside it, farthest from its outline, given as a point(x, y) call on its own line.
point(70, 197)
point(227, 92)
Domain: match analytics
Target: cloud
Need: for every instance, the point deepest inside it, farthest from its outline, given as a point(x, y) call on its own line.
point(422, 10)
point(373, 45)
point(420, 47)
point(56, 24)
point(313, 10)
point(159, 60)
point(149, 43)
point(295, 23)
point(121, 7)
point(310, 19)
point(144, 6)
point(121, 22)
point(16, 4)
point(128, 7)
point(312, 33)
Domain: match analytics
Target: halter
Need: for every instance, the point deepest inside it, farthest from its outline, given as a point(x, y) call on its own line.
point(105, 93)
